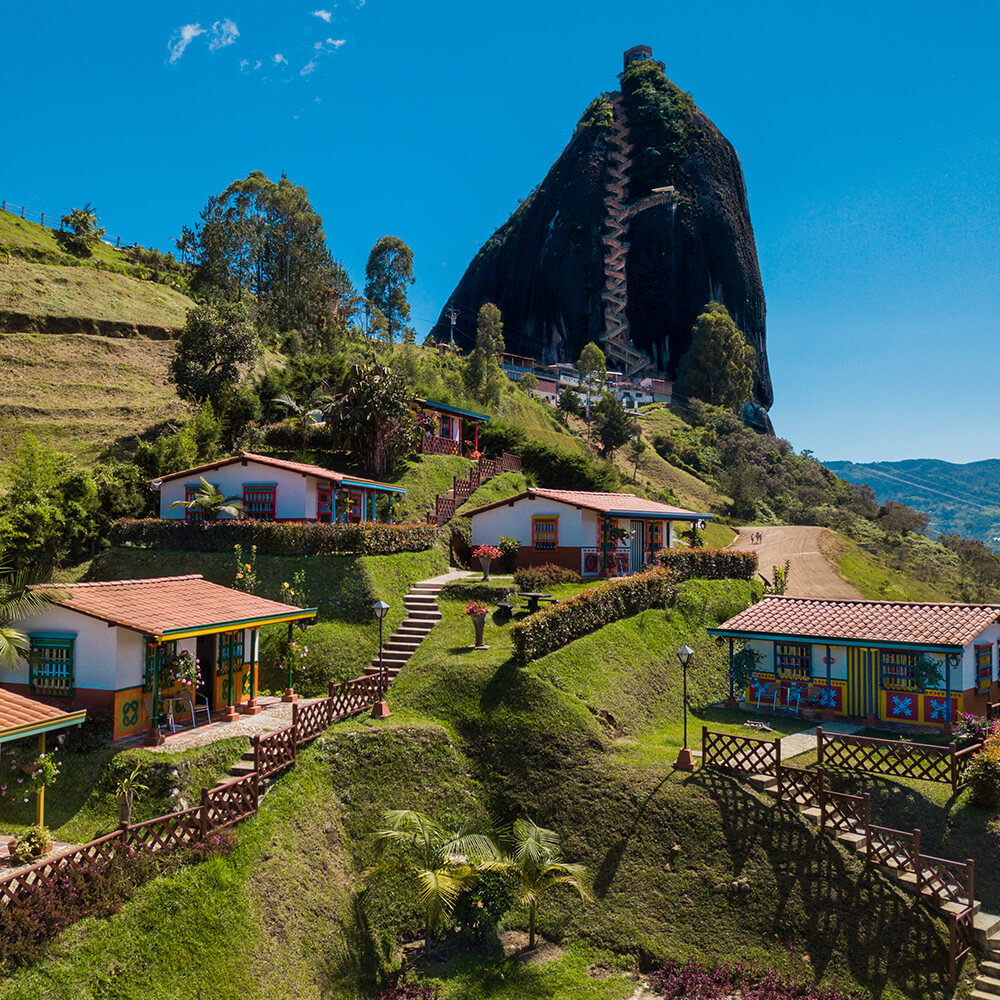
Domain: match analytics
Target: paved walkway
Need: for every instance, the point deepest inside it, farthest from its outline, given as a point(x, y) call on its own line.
point(792, 746)
point(58, 846)
point(450, 577)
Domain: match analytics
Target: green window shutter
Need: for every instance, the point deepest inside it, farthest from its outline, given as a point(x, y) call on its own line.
point(50, 665)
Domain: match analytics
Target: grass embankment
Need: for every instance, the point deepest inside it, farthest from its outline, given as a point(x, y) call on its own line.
point(423, 478)
point(343, 588)
point(279, 918)
point(80, 393)
point(870, 574)
point(22, 234)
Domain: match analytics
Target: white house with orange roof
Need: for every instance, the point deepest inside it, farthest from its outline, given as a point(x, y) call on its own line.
point(273, 489)
point(583, 531)
point(860, 658)
point(105, 645)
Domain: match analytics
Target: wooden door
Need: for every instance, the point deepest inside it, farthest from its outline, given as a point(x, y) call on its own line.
point(638, 545)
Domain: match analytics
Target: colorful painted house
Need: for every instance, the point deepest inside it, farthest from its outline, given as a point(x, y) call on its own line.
point(274, 489)
point(858, 658)
point(103, 646)
point(583, 531)
point(447, 430)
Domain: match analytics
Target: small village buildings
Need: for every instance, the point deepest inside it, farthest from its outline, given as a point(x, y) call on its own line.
point(102, 646)
point(864, 653)
point(590, 533)
point(447, 430)
point(273, 489)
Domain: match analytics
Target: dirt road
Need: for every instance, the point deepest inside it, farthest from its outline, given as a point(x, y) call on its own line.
point(810, 574)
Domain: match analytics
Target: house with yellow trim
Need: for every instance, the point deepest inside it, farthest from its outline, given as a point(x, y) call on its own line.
point(860, 659)
point(103, 646)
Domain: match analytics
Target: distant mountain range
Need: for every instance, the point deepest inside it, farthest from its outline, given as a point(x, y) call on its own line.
point(960, 499)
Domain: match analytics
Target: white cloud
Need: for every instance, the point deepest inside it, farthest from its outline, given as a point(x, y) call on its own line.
point(257, 64)
point(244, 63)
point(279, 59)
point(184, 37)
point(223, 33)
point(335, 43)
point(323, 15)
point(308, 68)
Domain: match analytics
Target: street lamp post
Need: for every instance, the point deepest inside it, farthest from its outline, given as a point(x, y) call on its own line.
point(381, 707)
point(685, 759)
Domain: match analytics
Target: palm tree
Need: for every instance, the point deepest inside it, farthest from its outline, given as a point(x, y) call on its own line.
point(537, 866)
point(302, 414)
point(209, 502)
point(441, 863)
point(17, 601)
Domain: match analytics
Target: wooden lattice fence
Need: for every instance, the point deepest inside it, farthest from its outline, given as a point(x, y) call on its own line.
point(749, 754)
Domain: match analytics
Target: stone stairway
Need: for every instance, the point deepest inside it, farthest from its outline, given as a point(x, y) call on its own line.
point(422, 615)
point(986, 925)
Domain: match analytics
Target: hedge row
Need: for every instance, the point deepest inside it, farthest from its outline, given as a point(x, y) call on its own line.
point(708, 564)
point(562, 623)
point(274, 537)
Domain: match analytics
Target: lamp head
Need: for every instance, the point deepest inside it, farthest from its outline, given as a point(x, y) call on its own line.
point(684, 654)
point(381, 609)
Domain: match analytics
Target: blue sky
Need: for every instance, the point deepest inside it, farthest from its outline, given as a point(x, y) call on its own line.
point(869, 135)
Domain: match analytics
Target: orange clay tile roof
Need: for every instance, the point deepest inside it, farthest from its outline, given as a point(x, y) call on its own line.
point(604, 503)
point(169, 604)
point(864, 621)
point(277, 463)
point(18, 714)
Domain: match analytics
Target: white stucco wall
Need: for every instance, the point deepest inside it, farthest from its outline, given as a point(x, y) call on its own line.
point(294, 497)
point(576, 527)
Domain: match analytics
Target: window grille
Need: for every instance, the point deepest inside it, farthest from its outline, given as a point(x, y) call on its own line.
point(258, 501)
point(793, 660)
point(50, 665)
point(545, 533)
point(897, 672)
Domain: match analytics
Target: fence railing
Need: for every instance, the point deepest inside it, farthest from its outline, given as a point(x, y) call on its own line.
point(892, 848)
point(22, 212)
point(222, 806)
point(801, 785)
point(895, 758)
point(462, 489)
point(844, 813)
point(750, 754)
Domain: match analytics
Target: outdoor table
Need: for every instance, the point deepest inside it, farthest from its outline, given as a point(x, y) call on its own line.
point(533, 597)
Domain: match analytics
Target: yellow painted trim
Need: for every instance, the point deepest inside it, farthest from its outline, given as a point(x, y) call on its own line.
point(234, 627)
point(45, 725)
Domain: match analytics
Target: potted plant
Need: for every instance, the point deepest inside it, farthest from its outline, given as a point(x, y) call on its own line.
point(477, 612)
point(31, 845)
point(180, 672)
point(486, 554)
point(125, 791)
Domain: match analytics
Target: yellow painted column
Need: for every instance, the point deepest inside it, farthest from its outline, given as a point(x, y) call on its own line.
point(40, 794)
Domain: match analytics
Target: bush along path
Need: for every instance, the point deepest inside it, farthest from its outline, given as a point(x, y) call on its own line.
point(948, 886)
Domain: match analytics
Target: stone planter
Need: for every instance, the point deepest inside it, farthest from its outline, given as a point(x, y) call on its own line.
point(479, 621)
point(484, 561)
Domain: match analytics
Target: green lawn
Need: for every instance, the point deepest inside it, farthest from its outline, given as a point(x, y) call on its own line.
point(875, 580)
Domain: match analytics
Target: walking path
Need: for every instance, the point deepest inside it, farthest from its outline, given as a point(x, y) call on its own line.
point(792, 746)
point(810, 574)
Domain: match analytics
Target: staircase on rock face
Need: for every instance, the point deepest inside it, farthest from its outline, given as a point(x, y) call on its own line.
point(616, 341)
point(422, 615)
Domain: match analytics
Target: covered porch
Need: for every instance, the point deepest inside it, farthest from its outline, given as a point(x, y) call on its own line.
point(627, 542)
point(448, 430)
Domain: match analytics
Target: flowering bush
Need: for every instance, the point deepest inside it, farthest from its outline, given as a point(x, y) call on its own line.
point(983, 774)
point(708, 564)
point(509, 548)
point(295, 593)
point(487, 552)
point(694, 981)
point(245, 578)
point(281, 538)
point(555, 626)
point(403, 988)
point(181, 669)
point(34, 843)
point(975, 727)
point(14, 785)
point(474, 609)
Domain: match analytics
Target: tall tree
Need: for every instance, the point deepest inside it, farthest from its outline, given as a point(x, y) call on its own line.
point(489, 331)
point(614, 426)
point(217, 343)
point(388, 272)
point(266, 240)
point(718, 367)
point(593, 370)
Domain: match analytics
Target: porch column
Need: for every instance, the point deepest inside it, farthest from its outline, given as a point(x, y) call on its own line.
point(475, 431)
point(154, 738)
point(290, 694)
point(251, 707)
point(828, 711)
point(731, 701)
point(460, 435)
point(364, 505)
point(333, 505)
point(947, 693)
point(40, 794)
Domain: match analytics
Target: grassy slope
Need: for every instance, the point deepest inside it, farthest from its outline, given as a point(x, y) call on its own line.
point(424, 477)
point(16, 232)
point(86, 293)
point(277, 919)
point(344, 639)
point(81, 393)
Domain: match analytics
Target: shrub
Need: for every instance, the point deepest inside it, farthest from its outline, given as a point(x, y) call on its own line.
point(536, 577)
point(976, 727)
point(555, 626)
point(744, 980)
point(35, 842)
point(983, 775)
point(274, 537)
point(95, 732)
point(401, 987)
point(510, 548)
point(488, 593)
point(707, 564)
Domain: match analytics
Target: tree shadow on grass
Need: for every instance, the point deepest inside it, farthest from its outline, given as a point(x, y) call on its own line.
point(849, 907)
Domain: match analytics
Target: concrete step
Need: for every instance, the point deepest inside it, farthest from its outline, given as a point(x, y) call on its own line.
point(978, 994)
point(986, 926)
point(988, 985)
point(401, 645)
point(241, 768)
point(813, 813)
point(958, 908)
point(763, 782)
point(851, 840)
point(426, 588)
point(417, 614)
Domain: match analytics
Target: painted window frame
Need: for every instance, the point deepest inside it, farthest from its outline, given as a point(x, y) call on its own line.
point(895, 671)
point(331, 504)
point(261, 489)
point(793, 661)
point(548, 544)
point(984, 671)
point(50, 642)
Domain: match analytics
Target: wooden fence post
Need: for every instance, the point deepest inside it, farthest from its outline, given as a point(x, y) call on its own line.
point(704, 744)
point(868, 812)
point(822, 809)
point(952, 749)
point(331, 688)
point(204, 813)
point(295, 716)
point(256, 752)
point(777, 755)
point(972, 872)
point(819, 744)
point(917, 867)
point(256, 790)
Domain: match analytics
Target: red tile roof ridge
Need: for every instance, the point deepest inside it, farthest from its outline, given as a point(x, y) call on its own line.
point(114, 583)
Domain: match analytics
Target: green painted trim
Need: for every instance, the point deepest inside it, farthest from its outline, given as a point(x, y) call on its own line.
point(445, 408)
point(831, 640)
point(181, 633)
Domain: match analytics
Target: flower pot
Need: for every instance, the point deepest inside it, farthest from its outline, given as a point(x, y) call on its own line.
point(125, 807)
point(484, 561)
point(479, 621)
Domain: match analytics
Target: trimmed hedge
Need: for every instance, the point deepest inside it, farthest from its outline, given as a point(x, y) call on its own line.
point(487, 593)
point(556, 626)
point(536, 577)
point(273, 537)
point(708, 564)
